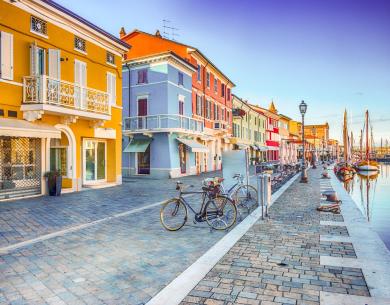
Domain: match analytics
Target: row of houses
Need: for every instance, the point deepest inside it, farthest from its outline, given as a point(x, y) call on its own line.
point(96, 108)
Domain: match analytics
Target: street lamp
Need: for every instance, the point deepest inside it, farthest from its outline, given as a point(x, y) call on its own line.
point(302, 109)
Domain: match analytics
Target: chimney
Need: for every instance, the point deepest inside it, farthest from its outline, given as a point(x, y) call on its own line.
point(122, 32)
point(158, 34)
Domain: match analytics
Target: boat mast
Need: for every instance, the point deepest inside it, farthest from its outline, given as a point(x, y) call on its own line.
point(361, 144)
point(351, 145)
point(345, 137)
point(367, 142)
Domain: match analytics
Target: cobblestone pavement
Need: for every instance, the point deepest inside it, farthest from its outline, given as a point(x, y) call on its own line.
point(125, 260)
point(278, 261)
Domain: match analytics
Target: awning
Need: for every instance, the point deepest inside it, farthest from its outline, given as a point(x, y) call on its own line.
point(254, 147)
point(22, 128)
point(242, 146)
point(273, 148)
point(137, 145)
point(195, 146)
point(261, 148)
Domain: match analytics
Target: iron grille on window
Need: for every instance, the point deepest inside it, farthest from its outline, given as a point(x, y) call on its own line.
point(38, 25)
point(79, 44)
point(110, 58)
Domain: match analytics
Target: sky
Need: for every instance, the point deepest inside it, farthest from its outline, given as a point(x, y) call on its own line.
point(334, 54)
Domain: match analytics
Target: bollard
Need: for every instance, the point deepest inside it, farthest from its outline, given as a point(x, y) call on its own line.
point(260, 193)
point(267, 192)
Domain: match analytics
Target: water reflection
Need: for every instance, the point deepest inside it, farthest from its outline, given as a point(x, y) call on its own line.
point(371, 192)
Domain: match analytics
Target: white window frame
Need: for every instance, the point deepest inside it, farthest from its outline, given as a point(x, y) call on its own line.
point(3, 37)
point(96, 181)
point(111, 77)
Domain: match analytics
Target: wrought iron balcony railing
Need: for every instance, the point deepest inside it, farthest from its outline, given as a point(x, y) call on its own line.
point(162, 122)
point(45, 90)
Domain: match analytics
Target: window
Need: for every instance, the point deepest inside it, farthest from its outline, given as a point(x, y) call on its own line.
point(223, 114)
point(223, 90)
point(79, 44)
point(37, 60)
point(228, 94)
point(208, 109)
point(181, 107)
point(215, 85)
point(215, 111)
point(228, 116)
point(198, 105)
point(6, 56)
point(208, 79)
point(111, 88)
point(58, 157)
point(38, 26)
point(199, 70)
point(142, 76)
point(180, 77)
point(110, 58)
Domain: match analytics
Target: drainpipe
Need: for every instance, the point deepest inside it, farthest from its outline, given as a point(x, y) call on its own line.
point(129, 84)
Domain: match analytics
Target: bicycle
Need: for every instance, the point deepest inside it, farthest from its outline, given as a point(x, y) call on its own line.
point(242, 194)
point(218, 211)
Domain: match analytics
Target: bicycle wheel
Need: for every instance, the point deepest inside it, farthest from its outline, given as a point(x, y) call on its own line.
point(246, 196)
point(221, 213)
point(173, 214)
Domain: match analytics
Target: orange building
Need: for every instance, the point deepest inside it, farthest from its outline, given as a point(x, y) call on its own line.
point(211, 92)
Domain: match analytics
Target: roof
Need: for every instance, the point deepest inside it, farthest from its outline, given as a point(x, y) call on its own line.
point(285, 117)
point(247, 104)
point(184, 45)
point(161, 54)
point(86, 22)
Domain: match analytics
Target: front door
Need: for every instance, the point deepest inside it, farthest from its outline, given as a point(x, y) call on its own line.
point(94, 161)
point(182, 158)
point(143, 162)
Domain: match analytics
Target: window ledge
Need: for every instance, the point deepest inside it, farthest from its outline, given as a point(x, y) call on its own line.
point(39, 34)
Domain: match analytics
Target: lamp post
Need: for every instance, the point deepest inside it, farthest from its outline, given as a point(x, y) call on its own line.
point(314, 157)
point(302, 109)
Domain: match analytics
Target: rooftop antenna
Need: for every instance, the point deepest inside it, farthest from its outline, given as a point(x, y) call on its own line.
point(169, 32)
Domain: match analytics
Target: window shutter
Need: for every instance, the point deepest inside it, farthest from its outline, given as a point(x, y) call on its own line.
point(113, 89)
point(54, 64)
point(77, 72)
point(34, 64)
point(7, 54)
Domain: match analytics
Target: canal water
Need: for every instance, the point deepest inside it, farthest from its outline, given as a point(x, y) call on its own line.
point(371, 192)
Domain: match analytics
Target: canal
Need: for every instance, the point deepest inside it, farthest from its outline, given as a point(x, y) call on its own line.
point(371, 192)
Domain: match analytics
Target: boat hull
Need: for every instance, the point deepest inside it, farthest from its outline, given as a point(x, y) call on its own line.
point(367, 168)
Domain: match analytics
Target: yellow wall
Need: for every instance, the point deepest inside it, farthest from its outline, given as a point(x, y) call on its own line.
point(17, 22)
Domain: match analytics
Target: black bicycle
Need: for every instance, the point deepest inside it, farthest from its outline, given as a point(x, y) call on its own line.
point(218, 211)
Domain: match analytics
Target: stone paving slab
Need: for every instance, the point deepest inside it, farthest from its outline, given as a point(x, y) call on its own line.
point(24, 219)
point(278, 261)
point(125, 260)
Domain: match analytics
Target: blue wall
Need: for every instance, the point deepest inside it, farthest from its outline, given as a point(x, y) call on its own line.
point(163, 93)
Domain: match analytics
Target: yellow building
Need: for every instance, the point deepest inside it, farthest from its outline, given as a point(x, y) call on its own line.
point(60, 101)
point(248, 129)
point(318, 137)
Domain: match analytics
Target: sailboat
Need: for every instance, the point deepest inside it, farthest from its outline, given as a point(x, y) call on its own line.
point(344, 169)
point(367, 164)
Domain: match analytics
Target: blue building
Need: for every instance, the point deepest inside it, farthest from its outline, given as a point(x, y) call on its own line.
point(160, 136)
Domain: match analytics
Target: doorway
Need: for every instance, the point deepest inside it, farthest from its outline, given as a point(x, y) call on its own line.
point(183, 158)
point(94, 157)
point(143, 162)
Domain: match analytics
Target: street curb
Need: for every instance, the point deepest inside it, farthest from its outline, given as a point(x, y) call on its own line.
point(182, 285)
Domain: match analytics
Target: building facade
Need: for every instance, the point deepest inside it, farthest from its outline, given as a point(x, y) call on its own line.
point(211, 93)
point(248, 129)
point(161, 137)
point(271, 131)
point(288, 146)
point(318, 137)
point(60, 106)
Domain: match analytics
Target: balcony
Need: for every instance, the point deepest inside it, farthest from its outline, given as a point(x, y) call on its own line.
point(42, 94)
point(162, 123)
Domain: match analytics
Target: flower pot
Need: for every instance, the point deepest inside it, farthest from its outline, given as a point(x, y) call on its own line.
point(54, 184)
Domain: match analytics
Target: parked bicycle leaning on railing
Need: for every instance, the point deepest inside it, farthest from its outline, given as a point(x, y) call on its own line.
point(217, 210)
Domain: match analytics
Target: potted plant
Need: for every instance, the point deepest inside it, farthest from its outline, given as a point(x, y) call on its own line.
point(54, 182)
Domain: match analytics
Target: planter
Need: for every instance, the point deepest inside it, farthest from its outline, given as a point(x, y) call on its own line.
point(54, 184)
